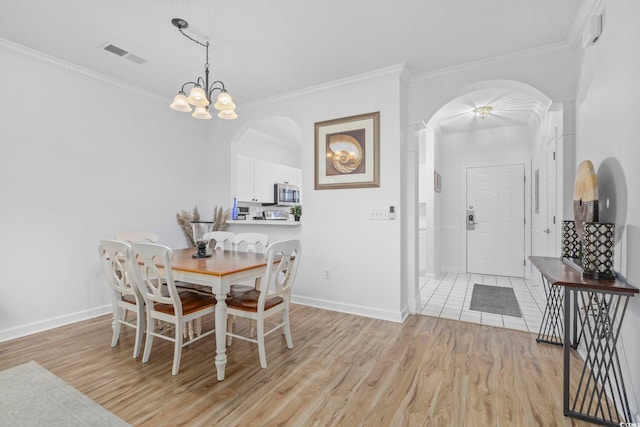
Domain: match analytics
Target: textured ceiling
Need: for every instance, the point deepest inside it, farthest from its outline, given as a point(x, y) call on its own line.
point(264, 48)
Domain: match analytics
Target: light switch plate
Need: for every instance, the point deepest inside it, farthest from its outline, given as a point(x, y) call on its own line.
point(379, 214)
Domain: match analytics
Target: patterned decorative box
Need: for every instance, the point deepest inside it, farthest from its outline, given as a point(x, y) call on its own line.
point(597, 250)
point(571, 245)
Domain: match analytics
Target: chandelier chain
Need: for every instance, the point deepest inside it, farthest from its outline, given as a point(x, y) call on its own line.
point(206, 45)
point(192, 39)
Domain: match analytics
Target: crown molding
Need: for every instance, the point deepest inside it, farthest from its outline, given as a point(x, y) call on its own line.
point(14, 49)
point(501, 60)
point(573, 40)
point(394, 71)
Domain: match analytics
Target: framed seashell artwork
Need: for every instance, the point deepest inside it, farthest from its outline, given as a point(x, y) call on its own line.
point(347, 152)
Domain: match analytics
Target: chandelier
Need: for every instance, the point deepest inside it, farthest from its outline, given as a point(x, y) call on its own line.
point(201, 92)
point(482, 112)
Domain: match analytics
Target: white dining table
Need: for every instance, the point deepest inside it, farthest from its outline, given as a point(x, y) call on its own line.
point(218, 271)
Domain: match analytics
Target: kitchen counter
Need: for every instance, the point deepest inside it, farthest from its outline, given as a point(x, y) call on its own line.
point(274, 222)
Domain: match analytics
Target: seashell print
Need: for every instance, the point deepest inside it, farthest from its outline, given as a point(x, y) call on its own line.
point(347, 152)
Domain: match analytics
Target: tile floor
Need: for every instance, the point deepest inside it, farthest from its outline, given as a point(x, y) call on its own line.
point(449, 296)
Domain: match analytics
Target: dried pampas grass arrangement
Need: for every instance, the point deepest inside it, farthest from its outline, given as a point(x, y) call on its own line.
point(220, 217)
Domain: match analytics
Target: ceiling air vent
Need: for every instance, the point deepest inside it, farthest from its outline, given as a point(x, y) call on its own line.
point(123, 53)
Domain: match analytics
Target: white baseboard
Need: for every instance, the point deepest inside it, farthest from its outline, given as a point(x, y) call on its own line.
point(393, 316)
point(54, 322)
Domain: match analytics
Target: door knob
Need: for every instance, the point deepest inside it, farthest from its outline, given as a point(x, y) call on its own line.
point(547, 231)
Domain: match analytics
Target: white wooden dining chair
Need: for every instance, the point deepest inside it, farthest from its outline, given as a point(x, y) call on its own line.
point(138, 237)
point(151, 237)
point(250, 242)
point(219, 240)
point(271, 299)
point(116, 263)
point(175, 308)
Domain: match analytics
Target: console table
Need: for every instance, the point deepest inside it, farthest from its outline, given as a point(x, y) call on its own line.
point(599, 307)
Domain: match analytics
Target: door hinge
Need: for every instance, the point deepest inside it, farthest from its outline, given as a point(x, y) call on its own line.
point(554, 155)
point(524, 262)
point(554, 219)
point(524, 178)
point(525, 221)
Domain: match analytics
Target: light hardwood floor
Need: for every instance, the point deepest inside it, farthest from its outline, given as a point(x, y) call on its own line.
point(344, 370)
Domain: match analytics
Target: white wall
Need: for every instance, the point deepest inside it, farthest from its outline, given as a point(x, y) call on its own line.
point(363, 256)
point(454, 151)
point(81, 160)
point(607, 134)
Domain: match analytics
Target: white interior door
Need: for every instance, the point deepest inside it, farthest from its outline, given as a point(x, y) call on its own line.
point(495, 232)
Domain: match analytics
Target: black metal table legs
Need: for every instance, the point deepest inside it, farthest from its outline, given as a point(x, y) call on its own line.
point(599, 394)
point(551, 327)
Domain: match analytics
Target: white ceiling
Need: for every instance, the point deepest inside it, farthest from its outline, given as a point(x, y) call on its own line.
point(264, 48)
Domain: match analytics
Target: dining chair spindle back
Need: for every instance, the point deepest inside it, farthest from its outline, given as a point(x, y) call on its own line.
point(168, 306)
point(219, 240)
point(138, 237)
point(115, 257)
point(272, 298)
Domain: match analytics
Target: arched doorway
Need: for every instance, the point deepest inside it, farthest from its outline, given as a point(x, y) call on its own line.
point(455, 138)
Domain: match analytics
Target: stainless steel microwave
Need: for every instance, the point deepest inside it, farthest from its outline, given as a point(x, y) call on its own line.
point(286, 194)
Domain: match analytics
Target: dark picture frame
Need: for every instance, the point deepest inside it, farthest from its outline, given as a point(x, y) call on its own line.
point(347, 152)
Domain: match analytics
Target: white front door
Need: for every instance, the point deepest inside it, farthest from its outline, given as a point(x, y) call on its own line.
point(495, 232)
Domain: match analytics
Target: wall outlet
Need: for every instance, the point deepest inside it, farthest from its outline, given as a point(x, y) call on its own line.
point(327, 274)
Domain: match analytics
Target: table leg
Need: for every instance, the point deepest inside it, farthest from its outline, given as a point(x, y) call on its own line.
point(566, 351)
point(221, 335)
point(551, 325)
point(600, 395)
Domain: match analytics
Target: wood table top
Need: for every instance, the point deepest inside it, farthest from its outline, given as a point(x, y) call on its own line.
point(561, 274)
point(220, 263)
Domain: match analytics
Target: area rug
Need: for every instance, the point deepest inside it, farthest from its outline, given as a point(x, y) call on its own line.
point(32, 396)
point(495, 299)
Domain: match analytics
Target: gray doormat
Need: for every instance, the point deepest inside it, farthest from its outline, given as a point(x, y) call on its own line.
point(494, 299)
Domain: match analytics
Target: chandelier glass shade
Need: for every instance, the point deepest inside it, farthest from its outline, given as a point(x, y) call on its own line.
point(201, 91)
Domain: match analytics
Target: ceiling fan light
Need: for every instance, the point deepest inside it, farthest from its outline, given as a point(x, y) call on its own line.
point(197, 97)
point(224, 102)
point(181, 103)
point(201, 113)
point(227, 114)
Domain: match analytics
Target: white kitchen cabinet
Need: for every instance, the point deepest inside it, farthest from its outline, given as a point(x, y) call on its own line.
point(284, 174)
point(244, 179)
point(263, 181)
point(254, 180)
